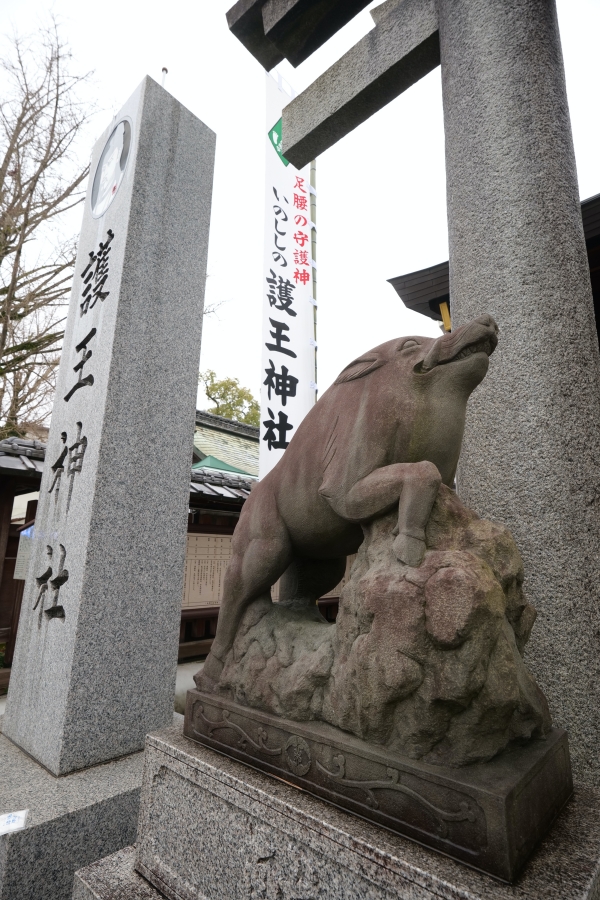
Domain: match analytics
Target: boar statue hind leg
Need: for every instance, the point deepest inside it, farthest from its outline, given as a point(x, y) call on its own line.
point(261, 552)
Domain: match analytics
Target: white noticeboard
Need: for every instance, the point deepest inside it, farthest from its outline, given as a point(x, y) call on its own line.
point(23, 554)
point(206, 559)
point(288, 388)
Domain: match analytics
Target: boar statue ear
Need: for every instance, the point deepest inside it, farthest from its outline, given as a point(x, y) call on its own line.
point(359, 368)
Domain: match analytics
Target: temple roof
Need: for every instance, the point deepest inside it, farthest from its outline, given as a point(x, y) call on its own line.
point(424, 290)
point(25, 459)
point(220, 440)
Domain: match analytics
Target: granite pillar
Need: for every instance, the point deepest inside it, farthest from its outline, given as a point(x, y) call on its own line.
point(95, 661)
point(532, 441)
point(516, 251)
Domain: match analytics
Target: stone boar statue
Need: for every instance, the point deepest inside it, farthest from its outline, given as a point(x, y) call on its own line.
point(387, 433)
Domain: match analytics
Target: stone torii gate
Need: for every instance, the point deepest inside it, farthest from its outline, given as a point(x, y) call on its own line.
point(531, 452)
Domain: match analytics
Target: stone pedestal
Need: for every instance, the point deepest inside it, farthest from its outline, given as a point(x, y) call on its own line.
point(72, 821)
point(490, 816)
point(211, 827)
point(114, 878)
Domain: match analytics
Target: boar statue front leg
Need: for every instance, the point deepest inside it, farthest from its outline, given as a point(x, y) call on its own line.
point(414, 486)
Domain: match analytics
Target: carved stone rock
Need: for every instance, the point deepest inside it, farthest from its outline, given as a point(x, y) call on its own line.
point(425, 662)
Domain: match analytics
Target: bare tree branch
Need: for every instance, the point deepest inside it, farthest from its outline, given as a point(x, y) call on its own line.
point(41, 179)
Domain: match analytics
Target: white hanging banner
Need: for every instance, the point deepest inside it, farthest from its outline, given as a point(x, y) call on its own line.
point(288, 333)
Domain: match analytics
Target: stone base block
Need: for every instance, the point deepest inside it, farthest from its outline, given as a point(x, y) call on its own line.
point(215, 829)
point(72, 821)
point(114, 878)
point(490, 816)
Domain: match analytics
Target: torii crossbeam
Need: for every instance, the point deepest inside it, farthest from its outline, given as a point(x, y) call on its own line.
point(532, 444)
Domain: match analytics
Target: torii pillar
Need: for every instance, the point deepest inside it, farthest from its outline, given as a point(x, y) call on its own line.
point(531, 451)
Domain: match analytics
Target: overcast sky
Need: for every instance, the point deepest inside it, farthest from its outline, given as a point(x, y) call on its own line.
point(381, 207)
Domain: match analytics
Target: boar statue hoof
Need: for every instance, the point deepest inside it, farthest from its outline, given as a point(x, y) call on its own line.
point(409, 549)
point(208, 677)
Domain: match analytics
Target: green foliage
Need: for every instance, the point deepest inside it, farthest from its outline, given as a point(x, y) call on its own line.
point(231, 399)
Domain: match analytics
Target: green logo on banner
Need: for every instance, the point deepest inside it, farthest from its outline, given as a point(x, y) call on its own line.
point(275, 138)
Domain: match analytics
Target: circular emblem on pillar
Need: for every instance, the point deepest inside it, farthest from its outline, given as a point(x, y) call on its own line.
point(111, 168)
point(298, 755)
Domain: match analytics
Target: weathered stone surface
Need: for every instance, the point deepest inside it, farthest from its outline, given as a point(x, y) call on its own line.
point(299, 27)
point(402, 48)
point(517, 249)
point(110, 528)
point(490, 815)
point(114, 878)
point(246, 22)
point(384, 435)
point(424, 661)
point(276, 29)
point(72, 821)
point(532, 441)
point(212, 827)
